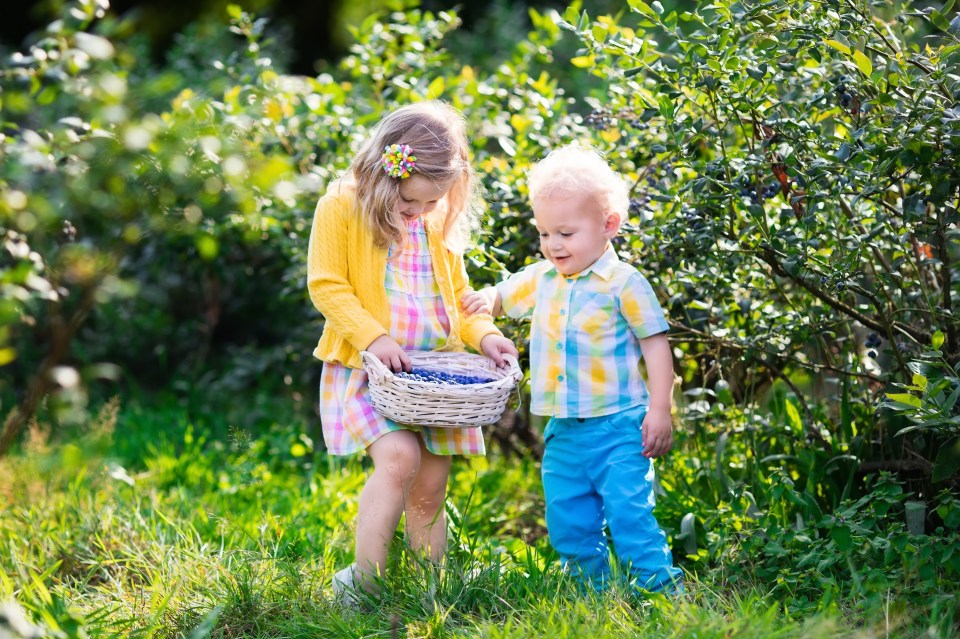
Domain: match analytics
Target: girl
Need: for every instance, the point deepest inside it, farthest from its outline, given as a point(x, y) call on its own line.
point(385, 269)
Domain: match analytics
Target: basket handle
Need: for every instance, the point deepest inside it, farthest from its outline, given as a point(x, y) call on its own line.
point(515, 371)
point(374, 367)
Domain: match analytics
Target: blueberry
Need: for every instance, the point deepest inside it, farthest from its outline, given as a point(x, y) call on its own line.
point(872, 354)
point(441, 377)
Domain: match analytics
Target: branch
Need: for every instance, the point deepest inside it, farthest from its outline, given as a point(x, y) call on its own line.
point(807, 413)
point(770, 258)
point(953, 339)
point(61, 334)
point(707, 338)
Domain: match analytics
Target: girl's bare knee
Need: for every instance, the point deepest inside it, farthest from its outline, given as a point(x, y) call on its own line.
point(430, 488)
point(397, 454)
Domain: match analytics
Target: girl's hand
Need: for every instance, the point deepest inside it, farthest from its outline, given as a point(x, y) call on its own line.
point(657, 433)
point(484, 301)
point(496, 346)
point(390, 353)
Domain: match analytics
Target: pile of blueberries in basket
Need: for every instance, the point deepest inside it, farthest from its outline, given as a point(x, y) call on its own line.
point(440, 377)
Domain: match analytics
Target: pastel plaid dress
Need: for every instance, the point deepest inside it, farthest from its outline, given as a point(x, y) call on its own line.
point(418, 321)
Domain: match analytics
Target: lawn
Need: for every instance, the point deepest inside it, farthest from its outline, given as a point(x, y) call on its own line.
point(155, 522)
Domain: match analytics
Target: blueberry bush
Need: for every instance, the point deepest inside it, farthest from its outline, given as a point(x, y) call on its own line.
point(796, 183)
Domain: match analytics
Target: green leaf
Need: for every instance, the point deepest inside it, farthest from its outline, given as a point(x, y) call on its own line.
point(719, 452)
point(688, 533)
point(937, 340)
point(667, 107)
point(951, 400)
point(863, 63)
point(839, 46)
point(599, 33)
point(939, 20)
point(947, 463)
point(919, 382)
point(584, 21)
point(642, 7)
point(954, 29)
point(793, 416)
point(582, 61)
point(435, 90)
point(841, 535)
point(904, 398)
point(207, 246)
point(7, 355)
point(757, 73)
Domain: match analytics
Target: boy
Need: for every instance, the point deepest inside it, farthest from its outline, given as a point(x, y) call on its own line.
point(593, 318)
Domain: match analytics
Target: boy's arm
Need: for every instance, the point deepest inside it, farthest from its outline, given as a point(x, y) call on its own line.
point(658, 424)
point(483, 301)
point(643, 313)
point(473, 328)
point(516, 295)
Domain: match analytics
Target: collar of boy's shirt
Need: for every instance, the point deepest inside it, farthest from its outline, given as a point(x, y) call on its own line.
point(603, 266)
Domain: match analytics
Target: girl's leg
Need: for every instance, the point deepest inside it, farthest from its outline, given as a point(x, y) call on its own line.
point(426, 518)
point(397, 459)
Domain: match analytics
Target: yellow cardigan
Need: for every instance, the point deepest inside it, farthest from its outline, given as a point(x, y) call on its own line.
point(345, 277)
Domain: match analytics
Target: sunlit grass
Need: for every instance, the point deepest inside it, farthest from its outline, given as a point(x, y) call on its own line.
point(193, 537)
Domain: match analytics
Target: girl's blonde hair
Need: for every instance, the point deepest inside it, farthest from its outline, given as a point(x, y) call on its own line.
point(574, 170)
point(436, 132)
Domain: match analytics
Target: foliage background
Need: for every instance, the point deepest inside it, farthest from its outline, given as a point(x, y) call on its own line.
point(795, 189)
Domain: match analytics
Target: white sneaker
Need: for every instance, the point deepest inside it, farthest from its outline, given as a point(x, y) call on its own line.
point(345, 588)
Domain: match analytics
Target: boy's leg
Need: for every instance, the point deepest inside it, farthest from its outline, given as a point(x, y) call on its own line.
point(574, 509)
point(625, 482)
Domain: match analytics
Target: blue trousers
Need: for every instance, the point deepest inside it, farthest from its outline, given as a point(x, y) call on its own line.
point(595, 474)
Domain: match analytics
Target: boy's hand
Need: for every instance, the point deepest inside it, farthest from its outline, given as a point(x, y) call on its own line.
point(657, 433)
point(485, 301)
point(496, 346)
point(390, 353)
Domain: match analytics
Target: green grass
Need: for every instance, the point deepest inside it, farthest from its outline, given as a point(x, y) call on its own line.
point(142, 525)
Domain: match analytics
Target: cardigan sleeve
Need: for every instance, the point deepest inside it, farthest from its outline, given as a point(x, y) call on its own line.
point(330, 289)
point(473, 328)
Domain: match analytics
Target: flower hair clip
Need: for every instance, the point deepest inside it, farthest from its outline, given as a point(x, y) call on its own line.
point(398, 160)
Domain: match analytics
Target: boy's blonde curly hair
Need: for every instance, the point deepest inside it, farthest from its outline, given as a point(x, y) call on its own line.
point(575, 170)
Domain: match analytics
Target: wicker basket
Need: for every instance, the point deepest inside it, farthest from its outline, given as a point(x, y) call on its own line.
point(411, 401)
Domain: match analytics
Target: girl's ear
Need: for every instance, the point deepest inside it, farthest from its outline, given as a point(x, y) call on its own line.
point(611, 225)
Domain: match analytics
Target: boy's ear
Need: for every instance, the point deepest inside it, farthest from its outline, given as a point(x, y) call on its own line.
point(611, 226)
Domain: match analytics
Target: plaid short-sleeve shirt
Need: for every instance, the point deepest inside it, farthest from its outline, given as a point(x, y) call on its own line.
point(585, 335)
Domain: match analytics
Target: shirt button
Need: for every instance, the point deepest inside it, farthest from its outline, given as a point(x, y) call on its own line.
point(563, 311)
point(559, 346)
point(559, 378)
